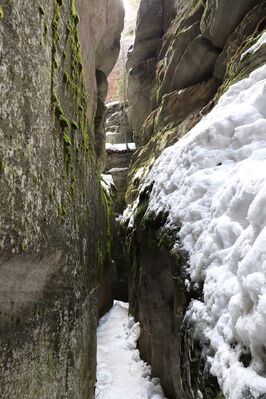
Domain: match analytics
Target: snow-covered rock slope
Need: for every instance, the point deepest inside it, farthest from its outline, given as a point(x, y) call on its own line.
point(213, 181)
point(120, 371)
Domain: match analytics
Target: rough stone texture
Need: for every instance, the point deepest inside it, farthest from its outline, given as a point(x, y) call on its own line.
point(127, 38)
point(158, 300)
point(118, 158)
point(239, 41)
point(149, 30)
point(55, 238)
point(165, 59)
point(221, 17)
point(175, 43)
point(117, 127)
point(140, 83)
point(118, 131)
point(171, 88)
point(141, 61)
point(178, 112)
point(120, 177)
point(101, 24)
point(195, 65)
point(117, 164)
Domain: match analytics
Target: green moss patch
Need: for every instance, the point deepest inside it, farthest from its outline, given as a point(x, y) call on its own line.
point(59, 110)
point(66, 139)
point(74, 125)
point(63, 122)
point(41, 11)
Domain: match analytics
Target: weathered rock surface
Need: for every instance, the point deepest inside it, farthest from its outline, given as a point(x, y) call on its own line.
point(127, 38)
point(203, 48)
point(117, 163)
point(55, 239)
point(222, 17)
point(182, 57)
point(249, 28)
point(231, 63)
point(158, 299)
point(140, 83)
point(117, 127)
point(102, 22)
point(118, 158)
point(195, 65)
point(118, 153)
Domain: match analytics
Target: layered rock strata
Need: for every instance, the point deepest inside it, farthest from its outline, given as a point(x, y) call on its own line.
point(119, 149)
point(117, 128)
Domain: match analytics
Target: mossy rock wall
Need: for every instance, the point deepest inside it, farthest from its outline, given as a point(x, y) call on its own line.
point(159, 296)
point(165, 101)
point(54, 227)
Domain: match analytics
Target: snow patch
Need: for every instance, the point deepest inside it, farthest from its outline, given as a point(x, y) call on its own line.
point(115, 170)
point(256, 46)
point(107, 182)
point(120, 147)
point(120, 371)
point(213, 181)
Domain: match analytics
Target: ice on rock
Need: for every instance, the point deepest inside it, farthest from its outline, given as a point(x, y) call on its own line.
point(213, 182)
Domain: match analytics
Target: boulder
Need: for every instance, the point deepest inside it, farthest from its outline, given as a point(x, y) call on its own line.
point(251, 26)
point(140, 84)
point(118, 158)
point(196, 64)
point(120, 178)
point(117, 127)
point(179, 44)
point(221, 17)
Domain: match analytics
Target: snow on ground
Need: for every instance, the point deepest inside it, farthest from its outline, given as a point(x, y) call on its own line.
point(214, 181)
point(120, 147)
point(120, 371)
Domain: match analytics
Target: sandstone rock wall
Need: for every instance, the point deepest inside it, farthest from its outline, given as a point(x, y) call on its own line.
point(54, 229)
point(186, 53)
point(101, 24)
point(127, 39)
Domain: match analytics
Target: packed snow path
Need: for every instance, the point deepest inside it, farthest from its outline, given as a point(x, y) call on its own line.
point(120, 371)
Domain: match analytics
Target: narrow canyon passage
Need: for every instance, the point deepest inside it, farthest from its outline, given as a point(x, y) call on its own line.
point(132, 167)
point(120, 371)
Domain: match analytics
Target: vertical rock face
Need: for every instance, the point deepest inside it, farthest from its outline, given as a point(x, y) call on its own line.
point(54, 234)
point(213, 25)
point(118, 152)
point(99, 30)
point(127, 38)
point(184, 56)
